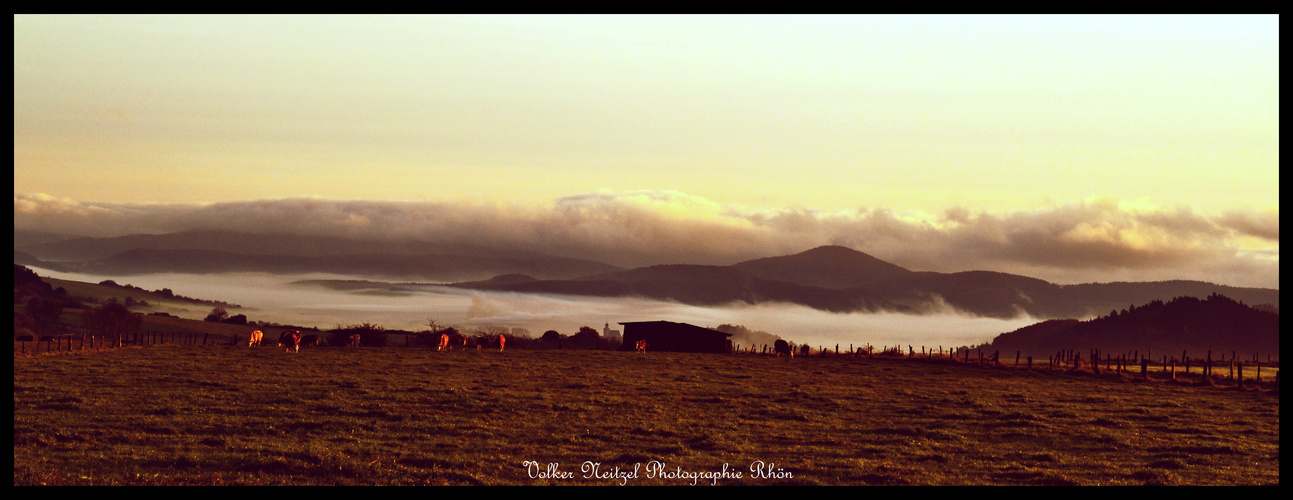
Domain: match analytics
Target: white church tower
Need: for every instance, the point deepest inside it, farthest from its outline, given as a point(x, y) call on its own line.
point(613, 335)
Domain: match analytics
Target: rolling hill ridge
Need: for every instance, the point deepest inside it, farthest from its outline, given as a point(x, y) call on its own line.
point(869, 285)
point(829, 278)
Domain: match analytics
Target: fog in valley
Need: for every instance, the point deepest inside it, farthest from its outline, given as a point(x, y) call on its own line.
point(280, 299)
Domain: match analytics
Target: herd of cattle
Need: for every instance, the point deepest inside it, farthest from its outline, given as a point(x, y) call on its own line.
point(293, 340)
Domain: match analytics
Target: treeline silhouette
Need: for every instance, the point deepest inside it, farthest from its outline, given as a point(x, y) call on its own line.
point(1216, 323)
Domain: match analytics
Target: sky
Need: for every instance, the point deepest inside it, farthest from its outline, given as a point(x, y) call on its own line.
point(1069, 148)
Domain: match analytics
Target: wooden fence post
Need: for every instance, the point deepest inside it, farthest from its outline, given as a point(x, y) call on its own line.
point(1144, 368)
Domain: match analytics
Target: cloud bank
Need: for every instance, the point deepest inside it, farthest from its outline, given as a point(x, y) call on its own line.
point(1096, 240)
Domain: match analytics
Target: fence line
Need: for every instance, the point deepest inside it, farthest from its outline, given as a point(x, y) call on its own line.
point(1170, 367)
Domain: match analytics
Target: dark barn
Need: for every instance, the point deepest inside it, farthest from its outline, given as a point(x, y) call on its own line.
point(677, 337)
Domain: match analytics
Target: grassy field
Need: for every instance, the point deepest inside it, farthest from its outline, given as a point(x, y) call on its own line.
point(194, 415)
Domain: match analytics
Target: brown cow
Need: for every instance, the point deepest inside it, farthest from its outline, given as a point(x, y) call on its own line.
point(310, 340)
point(354, 340)
point(458, 340)
point(782, 347)
point(444, 342)
point(255, 339)
point(641, 345)
point(291, 341)
point(501, 342)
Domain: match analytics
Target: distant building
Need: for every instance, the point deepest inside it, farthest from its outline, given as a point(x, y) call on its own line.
point(676, 337)
point(611, 335)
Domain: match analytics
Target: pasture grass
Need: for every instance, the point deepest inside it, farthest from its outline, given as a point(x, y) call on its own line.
point(217, 415)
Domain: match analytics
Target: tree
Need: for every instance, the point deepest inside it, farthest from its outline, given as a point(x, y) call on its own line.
point(586, 338)
point(551, 336)
point(217, 315)
point(437, 327)
point(44, 312)
point(112, 320)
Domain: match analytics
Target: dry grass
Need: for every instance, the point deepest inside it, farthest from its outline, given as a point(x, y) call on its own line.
point(192, 415)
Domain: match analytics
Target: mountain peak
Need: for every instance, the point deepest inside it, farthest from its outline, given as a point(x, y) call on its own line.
point(830, 266)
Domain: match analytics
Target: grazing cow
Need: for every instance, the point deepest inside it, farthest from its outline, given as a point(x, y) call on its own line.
point(501, 341)
point(291, 341)
point(444, 342)
point(354, 340)
point(255, 339)
point(641, 345)
point(312, 340)
point(782, 347)
point(457, 340)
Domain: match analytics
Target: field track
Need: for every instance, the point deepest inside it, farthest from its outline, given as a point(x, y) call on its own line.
point(194, 415)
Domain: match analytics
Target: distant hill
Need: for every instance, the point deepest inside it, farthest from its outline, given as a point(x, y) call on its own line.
point(26, 259)
point(429, 266)
point(23, 237)
point(52, 248)
point(829, 278)
point(204, 252)
point(79, 295)
point(1216, 323)
point(982, 293)
point(696, 285)
point(872, 286)
point(826, 267)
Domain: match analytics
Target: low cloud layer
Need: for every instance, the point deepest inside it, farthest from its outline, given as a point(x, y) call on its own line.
point(275, 299)
point(1088, 241)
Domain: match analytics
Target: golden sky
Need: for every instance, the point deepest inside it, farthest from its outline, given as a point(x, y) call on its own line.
point(833, 112)
point(936, 118)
